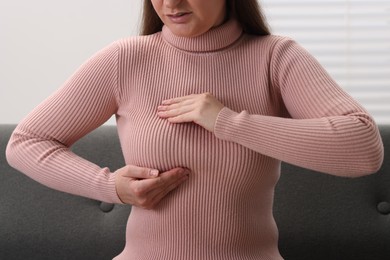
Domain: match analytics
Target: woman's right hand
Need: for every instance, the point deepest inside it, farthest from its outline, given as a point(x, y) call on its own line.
point(143, 187)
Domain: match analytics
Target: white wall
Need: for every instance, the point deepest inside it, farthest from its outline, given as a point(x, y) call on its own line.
point(42, 42)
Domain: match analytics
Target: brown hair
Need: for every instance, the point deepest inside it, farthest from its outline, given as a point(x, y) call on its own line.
point(248, 14)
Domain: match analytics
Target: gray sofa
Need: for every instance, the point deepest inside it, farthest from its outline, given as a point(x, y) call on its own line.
point(319, 216)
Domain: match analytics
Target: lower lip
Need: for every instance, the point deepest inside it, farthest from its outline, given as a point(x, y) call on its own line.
point(180, 19)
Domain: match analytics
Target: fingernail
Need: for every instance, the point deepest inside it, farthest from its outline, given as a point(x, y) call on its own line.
point(153, 173)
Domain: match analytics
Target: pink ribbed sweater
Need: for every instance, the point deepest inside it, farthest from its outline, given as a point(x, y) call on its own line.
point(280, 106)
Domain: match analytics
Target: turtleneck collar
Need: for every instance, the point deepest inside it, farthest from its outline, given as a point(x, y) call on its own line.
point(213, 40)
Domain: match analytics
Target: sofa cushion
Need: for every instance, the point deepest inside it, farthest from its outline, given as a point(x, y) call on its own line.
point(326, 217)
point(319, 216)
point(39, 223)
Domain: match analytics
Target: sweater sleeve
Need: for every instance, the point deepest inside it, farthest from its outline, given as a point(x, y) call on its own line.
point(327, 130)
point(40, 144)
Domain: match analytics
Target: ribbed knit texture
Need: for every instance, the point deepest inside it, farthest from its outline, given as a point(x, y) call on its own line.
point(224, 210)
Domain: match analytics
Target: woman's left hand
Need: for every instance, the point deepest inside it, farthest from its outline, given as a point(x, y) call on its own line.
point(201, 109)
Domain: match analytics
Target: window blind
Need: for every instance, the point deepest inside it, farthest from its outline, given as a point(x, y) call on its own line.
point(350, 38)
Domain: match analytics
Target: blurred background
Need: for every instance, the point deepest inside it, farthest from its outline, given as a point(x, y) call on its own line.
point(43, 42)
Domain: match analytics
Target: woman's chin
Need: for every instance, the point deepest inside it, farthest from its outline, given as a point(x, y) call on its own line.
point(182, 30)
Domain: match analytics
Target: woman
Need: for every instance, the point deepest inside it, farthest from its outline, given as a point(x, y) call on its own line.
point(208, 104)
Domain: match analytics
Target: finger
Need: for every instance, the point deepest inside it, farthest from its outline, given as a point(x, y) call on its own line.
point(139, 172)
point(173, 106)
point(183, 118)
point(178, 99)
point(143, 187)
point(149, 192)
point(175, 112)
point(177, 108)
point(158, 195)
point(167, 178)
